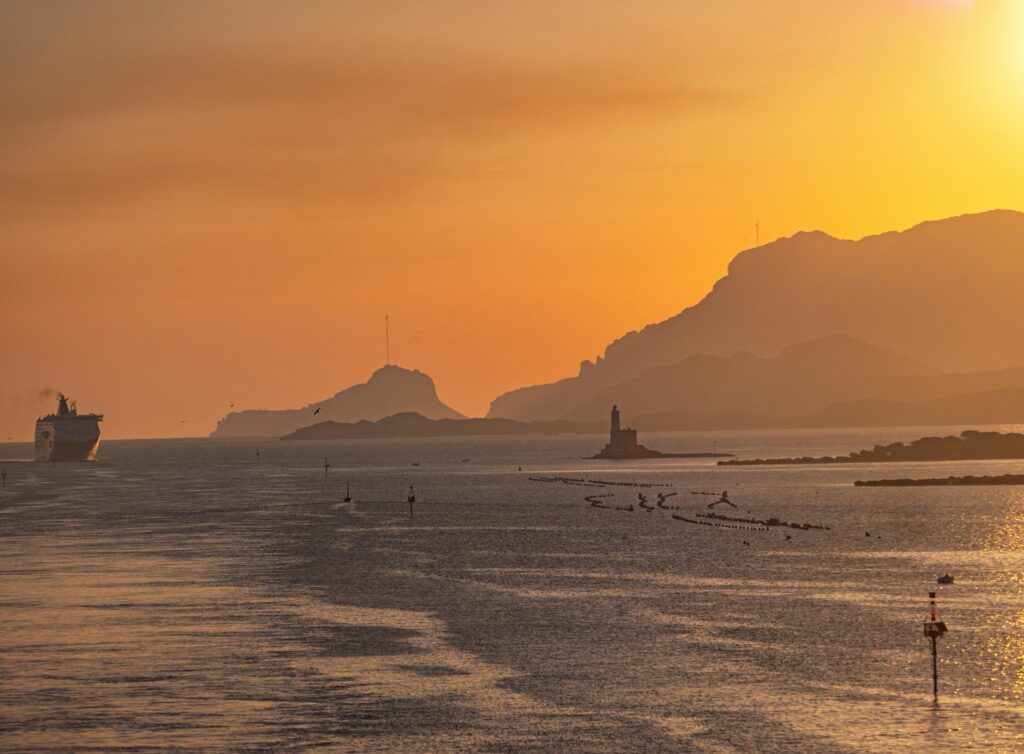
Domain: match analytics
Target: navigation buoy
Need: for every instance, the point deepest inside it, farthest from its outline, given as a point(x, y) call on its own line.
point(933, 629)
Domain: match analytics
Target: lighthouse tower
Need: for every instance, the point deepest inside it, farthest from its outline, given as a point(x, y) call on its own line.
point(620, 440)
point(622, 443)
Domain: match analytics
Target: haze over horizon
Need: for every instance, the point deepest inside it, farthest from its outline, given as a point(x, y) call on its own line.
point(209, 204)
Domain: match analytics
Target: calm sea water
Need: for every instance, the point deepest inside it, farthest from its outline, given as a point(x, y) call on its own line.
point(178, 595)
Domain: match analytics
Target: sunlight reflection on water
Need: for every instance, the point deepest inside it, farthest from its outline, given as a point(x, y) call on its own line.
point(178, 596)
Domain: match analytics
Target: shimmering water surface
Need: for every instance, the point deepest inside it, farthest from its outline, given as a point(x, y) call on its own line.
point(178, 595)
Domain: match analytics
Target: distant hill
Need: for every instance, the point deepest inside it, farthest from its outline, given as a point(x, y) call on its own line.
point(391, 389)
point(804, 377)
point(829, 382)
point(944, 293)
point(989, 407)
point(414, 425)
point(798, 389)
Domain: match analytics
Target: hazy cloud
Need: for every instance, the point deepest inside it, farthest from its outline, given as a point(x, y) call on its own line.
point(364, 121)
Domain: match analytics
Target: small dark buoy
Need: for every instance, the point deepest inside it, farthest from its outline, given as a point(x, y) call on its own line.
point(946, 579)
point(348, 496)
point(867, 534)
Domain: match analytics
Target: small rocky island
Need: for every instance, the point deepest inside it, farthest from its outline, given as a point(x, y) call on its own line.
point(390, 390)
point(970, 445)
point(622, 445)
point(409, 424)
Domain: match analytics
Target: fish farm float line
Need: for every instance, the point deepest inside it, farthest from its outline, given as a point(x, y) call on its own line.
point(593, 482)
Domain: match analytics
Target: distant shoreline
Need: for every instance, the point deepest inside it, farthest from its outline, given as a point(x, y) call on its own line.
point(952, 481)
point(970, 445)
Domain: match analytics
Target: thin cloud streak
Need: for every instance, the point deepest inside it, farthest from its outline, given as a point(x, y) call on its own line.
point(359, 125)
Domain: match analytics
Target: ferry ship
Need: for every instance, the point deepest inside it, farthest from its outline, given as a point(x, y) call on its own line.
point(67, 435)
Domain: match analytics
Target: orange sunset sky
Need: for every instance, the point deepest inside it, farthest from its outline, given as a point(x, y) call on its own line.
point(206, 203)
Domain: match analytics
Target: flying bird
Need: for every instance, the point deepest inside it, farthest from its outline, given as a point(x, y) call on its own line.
point(316, 412)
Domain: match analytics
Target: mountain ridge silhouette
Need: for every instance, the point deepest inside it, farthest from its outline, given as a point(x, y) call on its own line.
point(944, 293)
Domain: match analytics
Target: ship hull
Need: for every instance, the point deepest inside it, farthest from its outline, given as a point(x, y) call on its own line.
point(67, 440)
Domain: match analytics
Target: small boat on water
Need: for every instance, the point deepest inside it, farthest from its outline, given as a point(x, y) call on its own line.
point(946, 579)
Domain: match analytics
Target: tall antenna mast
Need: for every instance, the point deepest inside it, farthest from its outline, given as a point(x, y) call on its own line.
point(387, 341)
point(757, 232)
